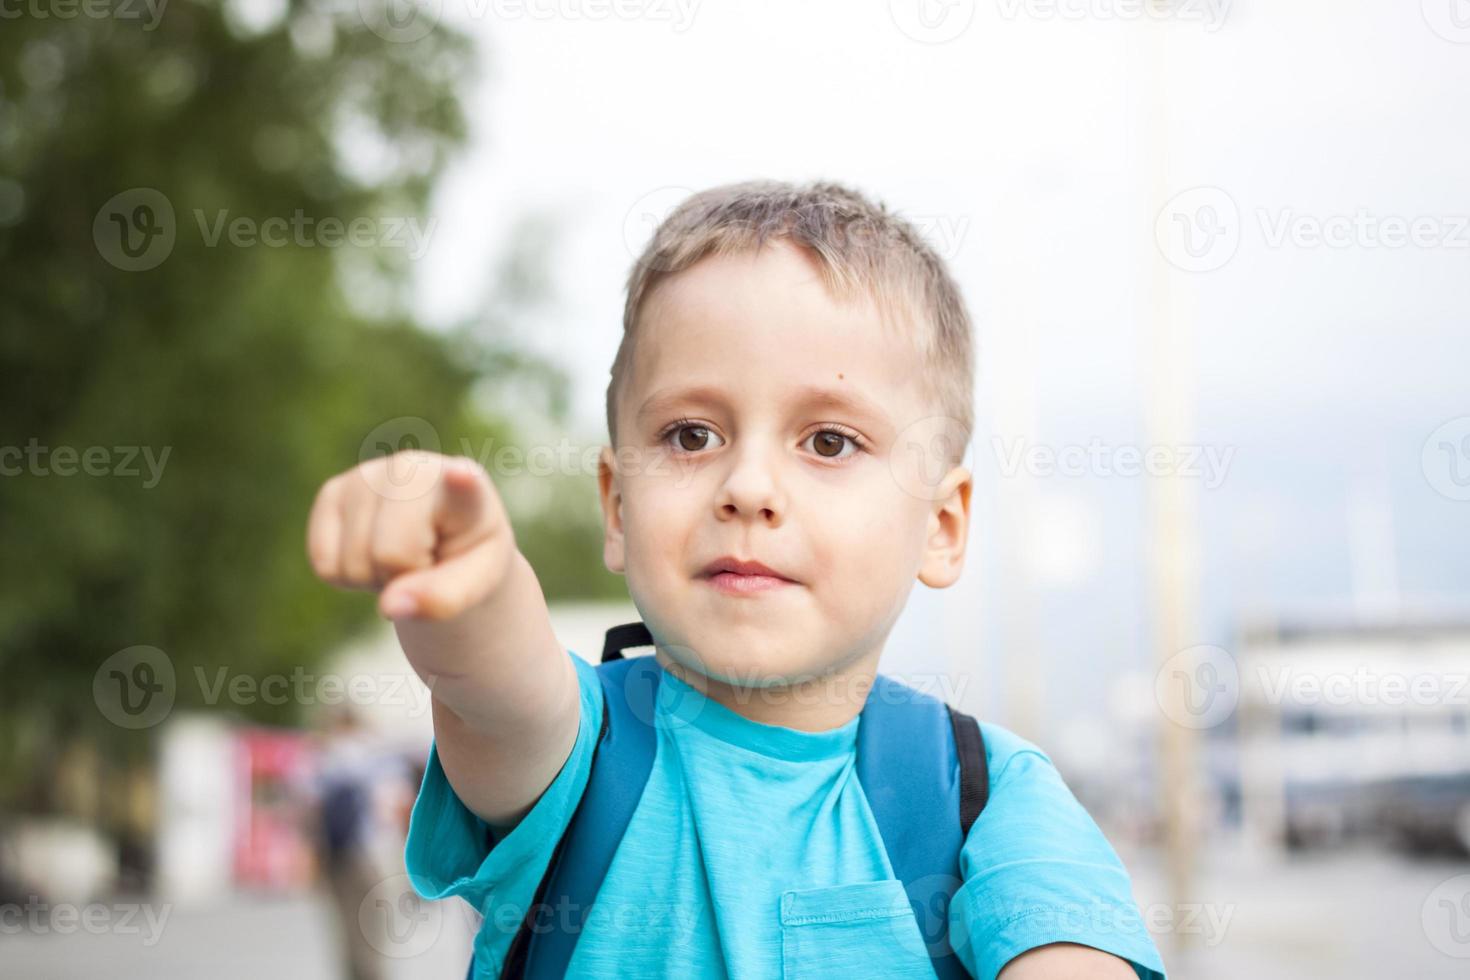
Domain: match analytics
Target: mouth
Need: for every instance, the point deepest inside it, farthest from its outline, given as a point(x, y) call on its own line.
point(734, 576)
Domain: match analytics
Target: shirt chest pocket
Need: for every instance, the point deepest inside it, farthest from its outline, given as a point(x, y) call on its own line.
point(850, 932)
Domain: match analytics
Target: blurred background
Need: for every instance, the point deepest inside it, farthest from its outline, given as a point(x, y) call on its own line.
point(1218, 256)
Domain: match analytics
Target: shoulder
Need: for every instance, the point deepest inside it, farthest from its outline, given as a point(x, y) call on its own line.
point(1009, 756)
point(1002, 744)
point(1030, 801)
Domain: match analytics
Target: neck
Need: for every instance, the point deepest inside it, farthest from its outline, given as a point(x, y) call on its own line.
point(813, 704)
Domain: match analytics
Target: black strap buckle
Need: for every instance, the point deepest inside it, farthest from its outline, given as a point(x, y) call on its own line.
point(620, 638)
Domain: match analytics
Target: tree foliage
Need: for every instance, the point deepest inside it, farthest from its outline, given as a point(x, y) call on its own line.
point(258, 368)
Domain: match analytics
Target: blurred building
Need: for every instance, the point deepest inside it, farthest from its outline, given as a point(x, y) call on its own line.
point(1349, 731)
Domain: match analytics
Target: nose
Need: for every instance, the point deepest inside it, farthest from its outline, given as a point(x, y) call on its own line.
point(751, 489)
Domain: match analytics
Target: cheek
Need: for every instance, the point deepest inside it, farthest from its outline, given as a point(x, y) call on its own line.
point(867, 534)
point(873, 513)
point(657, 518)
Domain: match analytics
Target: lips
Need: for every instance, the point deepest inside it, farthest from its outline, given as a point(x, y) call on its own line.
point(736, 566)
point(737, 576)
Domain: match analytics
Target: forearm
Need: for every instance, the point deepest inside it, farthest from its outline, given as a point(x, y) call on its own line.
point(1067, 961)
point(505, 695)
point(498, 662)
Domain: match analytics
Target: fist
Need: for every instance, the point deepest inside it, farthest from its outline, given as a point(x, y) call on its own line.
point(427, 532)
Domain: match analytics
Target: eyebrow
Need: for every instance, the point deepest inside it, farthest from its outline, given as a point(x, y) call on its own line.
point(803, 396)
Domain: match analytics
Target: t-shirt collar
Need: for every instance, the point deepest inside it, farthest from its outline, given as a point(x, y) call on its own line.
point(680, 704)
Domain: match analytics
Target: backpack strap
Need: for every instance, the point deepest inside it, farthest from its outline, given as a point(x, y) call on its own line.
point(922, 767)
point(621, 764)
point(619, 638)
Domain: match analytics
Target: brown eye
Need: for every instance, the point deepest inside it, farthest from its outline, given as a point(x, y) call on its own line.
point(693, 438)
point(828, 443)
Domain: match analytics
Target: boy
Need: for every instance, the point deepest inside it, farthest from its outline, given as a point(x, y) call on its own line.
point(785, 350)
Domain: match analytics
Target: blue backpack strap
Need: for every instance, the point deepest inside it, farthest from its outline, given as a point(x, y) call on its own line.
point(621, 763)
point(922, 767)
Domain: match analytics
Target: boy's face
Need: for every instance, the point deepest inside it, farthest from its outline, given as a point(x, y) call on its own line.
point(761, 419)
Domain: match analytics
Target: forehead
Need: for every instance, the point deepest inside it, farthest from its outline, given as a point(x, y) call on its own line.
point(763, 325)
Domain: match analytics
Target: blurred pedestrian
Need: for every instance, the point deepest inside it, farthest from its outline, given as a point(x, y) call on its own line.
point(360, 785)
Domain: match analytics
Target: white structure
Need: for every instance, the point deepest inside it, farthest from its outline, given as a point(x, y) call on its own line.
point(196, 808)
point(1330, 715)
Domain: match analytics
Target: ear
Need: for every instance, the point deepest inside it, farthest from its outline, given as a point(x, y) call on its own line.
point(609, 488)
point(948, 530)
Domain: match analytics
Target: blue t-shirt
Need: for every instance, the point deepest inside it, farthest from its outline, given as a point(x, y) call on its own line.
point(753, 854)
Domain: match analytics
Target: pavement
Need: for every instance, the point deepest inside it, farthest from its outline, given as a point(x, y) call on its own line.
point(1344, 915)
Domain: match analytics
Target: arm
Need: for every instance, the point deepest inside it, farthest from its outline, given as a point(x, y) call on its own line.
point(430, 534)
point(1067, 961)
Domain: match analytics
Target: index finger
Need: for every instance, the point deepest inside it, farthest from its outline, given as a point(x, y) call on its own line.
point(464, 501)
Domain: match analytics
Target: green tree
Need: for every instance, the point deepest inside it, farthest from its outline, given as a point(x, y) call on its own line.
point(247, 373)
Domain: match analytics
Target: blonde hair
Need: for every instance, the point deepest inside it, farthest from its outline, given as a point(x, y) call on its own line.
point(862, 249)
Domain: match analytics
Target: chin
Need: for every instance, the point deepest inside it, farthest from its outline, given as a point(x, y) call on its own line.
point(737, 642)
point(736, 664)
